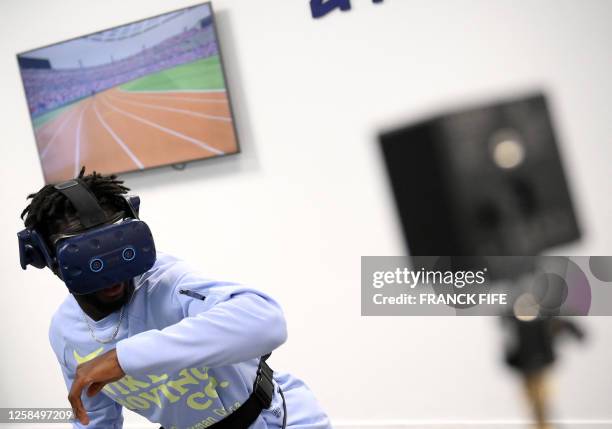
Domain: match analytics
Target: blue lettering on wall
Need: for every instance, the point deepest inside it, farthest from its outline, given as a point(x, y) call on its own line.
point(320, 8)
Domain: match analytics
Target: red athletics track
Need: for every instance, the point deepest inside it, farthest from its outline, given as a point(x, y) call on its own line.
point(116, 130)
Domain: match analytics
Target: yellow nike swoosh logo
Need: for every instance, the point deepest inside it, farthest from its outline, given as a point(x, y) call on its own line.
point(90, 356)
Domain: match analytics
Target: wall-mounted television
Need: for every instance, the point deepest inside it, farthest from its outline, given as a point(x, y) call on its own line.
point(137, 96)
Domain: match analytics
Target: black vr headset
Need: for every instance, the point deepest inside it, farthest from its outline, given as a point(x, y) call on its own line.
point(106, 252)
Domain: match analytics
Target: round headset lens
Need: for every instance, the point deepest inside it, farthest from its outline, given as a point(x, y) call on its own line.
point(96, 265)
point(129, 254)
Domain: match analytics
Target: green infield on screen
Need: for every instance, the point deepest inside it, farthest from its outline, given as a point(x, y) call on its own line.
point(198, 75)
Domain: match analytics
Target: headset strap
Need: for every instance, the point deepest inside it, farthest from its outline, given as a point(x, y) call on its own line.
point(88, 209)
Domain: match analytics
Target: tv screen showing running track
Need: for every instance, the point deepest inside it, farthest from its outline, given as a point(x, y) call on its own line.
point(133, 97)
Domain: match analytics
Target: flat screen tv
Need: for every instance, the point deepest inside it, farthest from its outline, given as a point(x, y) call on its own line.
point(141, 95)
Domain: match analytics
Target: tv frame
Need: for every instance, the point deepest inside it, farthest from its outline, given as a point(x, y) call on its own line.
point(176, 165)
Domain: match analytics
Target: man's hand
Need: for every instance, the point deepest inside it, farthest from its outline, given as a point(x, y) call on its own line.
point(93, 375)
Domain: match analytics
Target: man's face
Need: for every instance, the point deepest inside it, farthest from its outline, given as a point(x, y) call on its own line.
point(111, 294)
point(110, 299)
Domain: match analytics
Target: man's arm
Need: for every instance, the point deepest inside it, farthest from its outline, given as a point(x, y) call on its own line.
point(102, 412)
point(232, 323)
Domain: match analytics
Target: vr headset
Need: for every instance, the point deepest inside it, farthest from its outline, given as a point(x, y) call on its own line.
point(106, 252)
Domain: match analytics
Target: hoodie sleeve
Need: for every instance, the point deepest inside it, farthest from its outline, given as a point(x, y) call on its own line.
point(103, 412)
point(202, 322)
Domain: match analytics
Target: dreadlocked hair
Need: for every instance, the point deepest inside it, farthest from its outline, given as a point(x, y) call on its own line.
point(50, 209)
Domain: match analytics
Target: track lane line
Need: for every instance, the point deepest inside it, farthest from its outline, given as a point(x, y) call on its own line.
point(117, 139)
point(166, 130)
point(59, 130)
point(77, 146)
point(172, 109)
point(43, 128)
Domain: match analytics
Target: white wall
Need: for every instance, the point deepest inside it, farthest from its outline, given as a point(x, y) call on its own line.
point(295, 211)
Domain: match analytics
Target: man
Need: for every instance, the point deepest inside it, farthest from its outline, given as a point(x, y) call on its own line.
point(530, 350)
point(176, 347)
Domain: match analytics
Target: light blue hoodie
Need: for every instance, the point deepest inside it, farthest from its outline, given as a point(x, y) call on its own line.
point(188, 361)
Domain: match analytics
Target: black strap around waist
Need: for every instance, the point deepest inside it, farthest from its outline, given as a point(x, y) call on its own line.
point(261, 398)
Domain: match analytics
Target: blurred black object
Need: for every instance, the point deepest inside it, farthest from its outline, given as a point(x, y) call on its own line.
point(483, 181)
